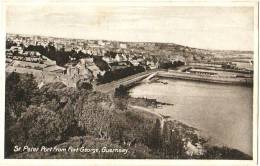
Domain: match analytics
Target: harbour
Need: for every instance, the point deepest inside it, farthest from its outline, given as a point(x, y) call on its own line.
point(216, 109)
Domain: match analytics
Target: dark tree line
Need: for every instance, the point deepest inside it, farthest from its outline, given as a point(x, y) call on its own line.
point(20, 92)
point(102, 65)
point(9, 44)
point(168, 64)
point(60, 56)
point(120, 73)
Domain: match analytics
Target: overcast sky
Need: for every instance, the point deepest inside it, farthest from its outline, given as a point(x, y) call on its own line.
point(201, 27)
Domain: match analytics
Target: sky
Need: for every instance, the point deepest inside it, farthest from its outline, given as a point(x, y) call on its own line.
point(226, 28)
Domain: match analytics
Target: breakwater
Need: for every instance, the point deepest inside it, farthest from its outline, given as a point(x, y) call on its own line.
point(205, 78)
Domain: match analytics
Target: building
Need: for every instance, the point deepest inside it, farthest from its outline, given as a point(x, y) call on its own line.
point(134, 62)
point(108, 59)
point(79, 71)
point(54, 69)
point(119, 65)
point(202, 72)
point(123, 45)
point(16, 50)
point(95, 70)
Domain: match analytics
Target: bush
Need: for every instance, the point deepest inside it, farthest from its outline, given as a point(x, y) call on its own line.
point(94, 112)
point(81, 84)
point(20, 90)
point(155, 136)
point(36, 127)
point(121, 91)
point(19, 93)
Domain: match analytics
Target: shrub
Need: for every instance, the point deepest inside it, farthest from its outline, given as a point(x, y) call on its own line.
point(121, 91)
point(20, 90)
point(155, 136)
point(81, 84)
point(94, 112)
point(36, 127)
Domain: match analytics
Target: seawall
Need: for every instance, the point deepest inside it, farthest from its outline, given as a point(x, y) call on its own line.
point(213, 79)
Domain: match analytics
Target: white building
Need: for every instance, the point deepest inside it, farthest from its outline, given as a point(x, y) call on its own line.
point(123, 45)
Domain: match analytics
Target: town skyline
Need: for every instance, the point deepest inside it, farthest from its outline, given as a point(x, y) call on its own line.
point(215, 28)
point(121, 41)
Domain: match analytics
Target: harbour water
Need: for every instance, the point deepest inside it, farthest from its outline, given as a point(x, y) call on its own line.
point(222, 111)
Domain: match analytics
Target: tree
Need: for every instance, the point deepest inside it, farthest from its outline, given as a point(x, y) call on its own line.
point(51, 51)
point(20, 90)
point(121, 97)
point(19, 93)
point(36, 127)
point(165, 140)
point(9, 44)
point(155, 136)
point(93, 112)
point(62, 57)
point(176, 146)
point(121, 91)
point(81, 84)
point(102, 65)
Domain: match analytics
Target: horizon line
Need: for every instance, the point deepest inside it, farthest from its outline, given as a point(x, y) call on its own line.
point(113, 40)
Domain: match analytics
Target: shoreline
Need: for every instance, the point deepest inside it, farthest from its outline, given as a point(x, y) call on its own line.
point(209, 140)
point(193, 77)
point(141, 126)
point(204, 143)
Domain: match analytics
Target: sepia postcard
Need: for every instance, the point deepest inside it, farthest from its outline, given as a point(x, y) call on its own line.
point(129, 82)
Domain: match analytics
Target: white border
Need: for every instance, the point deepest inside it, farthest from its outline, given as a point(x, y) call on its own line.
point(23, 162)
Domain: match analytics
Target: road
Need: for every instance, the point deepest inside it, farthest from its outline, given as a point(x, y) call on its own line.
point(109, 87)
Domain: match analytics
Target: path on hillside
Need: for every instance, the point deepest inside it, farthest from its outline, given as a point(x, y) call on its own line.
point(161, 117)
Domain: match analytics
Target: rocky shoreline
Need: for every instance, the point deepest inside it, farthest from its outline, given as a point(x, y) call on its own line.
point(196, 144)
point(62, 117)
point(145, 102)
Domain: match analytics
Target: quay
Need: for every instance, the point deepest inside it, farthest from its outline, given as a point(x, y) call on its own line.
point(205, 78)
point(146, 76)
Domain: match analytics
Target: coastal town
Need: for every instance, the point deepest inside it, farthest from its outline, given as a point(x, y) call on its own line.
point(112, 72)
point(55, 74)
point(131, 80)
point(98, 62)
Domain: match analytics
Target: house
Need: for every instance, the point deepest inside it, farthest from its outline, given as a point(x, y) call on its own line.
point(152, 64)
point(94, 70)
point(108, 59)
point(32, 53)
point(86, 68)
point(101, 43)
point(123, 45)
point(55, 69)
point(89, 60)
point(16, 49)
point(71, 69)
point(120, 57)
point(79, 71)
point(140, 59)
point(124, 57)
point(119, 65)
point(134, 62)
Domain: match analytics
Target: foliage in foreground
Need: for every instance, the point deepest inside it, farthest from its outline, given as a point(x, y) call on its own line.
point(59, 116)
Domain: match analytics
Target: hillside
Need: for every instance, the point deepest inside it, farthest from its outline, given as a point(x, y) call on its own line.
point(147, 49)
point(62, 117)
